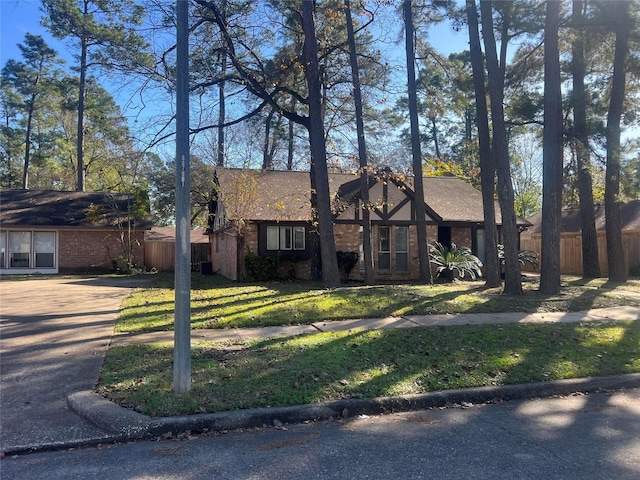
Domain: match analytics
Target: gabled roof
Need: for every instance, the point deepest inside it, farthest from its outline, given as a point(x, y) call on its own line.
point(285, 195)
point(629, 218)
point(51, 208)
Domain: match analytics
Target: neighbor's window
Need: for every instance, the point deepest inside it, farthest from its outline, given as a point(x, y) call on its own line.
point(298, 238)
point(402, 249)
point(285, 238)
point(480, 233)
point(3, 249)
point(384, 248)
point(19, 249)
point(44, 247)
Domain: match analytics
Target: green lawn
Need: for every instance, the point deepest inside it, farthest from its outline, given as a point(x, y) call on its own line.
point(219, 303)
point(366, 364)
point(361, 364)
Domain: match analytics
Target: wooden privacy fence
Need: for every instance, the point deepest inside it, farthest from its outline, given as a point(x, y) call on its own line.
point(161, 255)
point(571, 250)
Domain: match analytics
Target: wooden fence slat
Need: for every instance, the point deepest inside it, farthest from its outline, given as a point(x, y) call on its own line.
point(571, 250)
point(161, 255)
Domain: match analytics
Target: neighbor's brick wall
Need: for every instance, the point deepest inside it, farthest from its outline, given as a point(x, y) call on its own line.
point(93, 250)
point(224, 250)
point(224, 247)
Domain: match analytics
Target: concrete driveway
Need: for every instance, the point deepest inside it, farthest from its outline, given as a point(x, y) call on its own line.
point(54, 333)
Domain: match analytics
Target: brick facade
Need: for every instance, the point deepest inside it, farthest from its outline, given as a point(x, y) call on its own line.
point(224, 252)
point(94, 250)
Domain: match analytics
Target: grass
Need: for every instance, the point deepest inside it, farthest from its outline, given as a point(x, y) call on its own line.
point(219, 303)
point(361, 364)
point(366, 364)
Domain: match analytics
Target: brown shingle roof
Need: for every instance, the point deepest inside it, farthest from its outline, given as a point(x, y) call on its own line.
point(629, 218)
point(284, 195)
point(49, 208)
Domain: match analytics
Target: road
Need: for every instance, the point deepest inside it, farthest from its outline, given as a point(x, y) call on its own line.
point(595, 436)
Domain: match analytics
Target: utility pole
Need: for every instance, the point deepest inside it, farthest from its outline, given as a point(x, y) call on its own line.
point(182, 323)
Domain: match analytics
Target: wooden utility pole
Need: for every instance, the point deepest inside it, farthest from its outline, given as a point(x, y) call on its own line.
point(182, 323)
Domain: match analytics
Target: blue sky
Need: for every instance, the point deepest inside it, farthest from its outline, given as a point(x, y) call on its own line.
point(18, 17)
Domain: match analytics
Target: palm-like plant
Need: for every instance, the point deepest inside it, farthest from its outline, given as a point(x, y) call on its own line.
point(525, 257)
point(454, 261)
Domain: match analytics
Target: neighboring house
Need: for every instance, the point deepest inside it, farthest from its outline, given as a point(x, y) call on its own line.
point(43, 231)
point(160, 244)
point(269, 212)
point(571, 237)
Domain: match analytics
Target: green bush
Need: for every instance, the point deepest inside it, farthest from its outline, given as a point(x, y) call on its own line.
point(346, 261)
point(262, 268)
point(454, 261)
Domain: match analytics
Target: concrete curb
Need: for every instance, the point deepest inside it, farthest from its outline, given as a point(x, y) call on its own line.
point(123, 424)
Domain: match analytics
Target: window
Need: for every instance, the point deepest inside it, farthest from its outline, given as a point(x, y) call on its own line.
point(19, 249)
point(384, 248)
point(27, 249)
point(44, 247)
point(298, 238)
point(3, 249)
point(285, 238)
point(273, 238)
point(480, 245)
point(402, 249)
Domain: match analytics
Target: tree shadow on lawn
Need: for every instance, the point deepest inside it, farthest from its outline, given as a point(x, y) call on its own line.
point(364, 364)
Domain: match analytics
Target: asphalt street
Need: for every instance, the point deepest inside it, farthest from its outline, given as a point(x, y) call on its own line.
point(594, 436)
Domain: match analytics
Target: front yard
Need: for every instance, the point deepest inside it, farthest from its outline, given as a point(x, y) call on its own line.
point(362, 364)
point(219, 303)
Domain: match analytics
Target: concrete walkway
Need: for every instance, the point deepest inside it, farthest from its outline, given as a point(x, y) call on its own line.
point(239, 334)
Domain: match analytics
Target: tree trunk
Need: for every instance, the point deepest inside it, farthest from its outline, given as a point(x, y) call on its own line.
point(615, 256)
point(27, 143)
point(330, 271)
point(513, 281)
point(551, 155)
point(290, 139)
point(221, 111)
point(420, 209)
point(362, 150)
point(81, 186)
point(267, 159)
point(487, 166)
point(590, 260)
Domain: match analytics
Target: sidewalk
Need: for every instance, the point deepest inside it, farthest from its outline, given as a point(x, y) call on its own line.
point(240, 334)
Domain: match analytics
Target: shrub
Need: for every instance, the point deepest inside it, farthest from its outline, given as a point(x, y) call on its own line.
point(262, 268)
point(346, 261)
point(454, 261)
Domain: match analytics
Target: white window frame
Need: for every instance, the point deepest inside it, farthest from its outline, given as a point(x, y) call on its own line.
point(405, 248)
point(32, 243)
point(286, 238)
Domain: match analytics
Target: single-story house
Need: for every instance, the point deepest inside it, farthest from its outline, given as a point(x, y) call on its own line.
point(45, 231)
point(159, 248)
point(571, 237)
point(269, 212)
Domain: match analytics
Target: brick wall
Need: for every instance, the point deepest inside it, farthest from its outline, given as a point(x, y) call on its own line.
point(93, 250)
point(461, 236)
